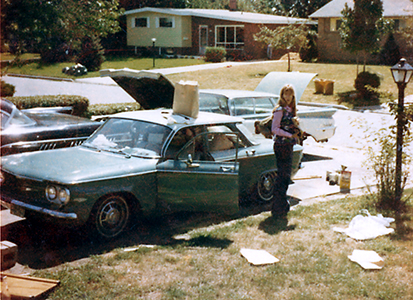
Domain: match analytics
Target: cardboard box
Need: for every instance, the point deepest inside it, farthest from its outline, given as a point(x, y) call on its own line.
point(8, 254)
point(186, 99)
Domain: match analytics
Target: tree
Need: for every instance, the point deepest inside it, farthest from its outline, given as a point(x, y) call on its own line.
point(91, 54)
point(292, 8)
point(284, 37)
point(298, 8)
point(135, 4)
point(44, 26)
point(362, 27)
point(390, 54)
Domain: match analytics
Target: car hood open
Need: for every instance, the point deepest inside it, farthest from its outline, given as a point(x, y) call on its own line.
point(153, 90)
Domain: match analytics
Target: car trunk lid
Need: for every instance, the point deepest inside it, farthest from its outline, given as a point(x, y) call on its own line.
point(274, 81)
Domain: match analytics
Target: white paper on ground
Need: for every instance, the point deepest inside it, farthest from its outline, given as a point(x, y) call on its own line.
point(369, 260)
point(367, 227)
point(258, 257)
point(138, 247)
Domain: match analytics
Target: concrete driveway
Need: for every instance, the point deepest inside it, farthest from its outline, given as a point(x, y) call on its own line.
point(347, 147)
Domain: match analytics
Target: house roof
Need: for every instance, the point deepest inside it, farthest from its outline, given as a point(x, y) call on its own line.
point(391, 8)
point(236, 16)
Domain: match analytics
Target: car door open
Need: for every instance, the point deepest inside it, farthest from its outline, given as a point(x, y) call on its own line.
point(195, 181)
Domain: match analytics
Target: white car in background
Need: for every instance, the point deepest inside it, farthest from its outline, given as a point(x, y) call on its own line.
point(153, 90)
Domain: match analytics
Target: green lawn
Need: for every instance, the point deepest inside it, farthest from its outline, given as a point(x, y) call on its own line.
point(55, 70)
point(198, 257)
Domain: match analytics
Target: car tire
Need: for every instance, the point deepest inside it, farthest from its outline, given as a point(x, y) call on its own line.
point(265, 186)
point(110, 216)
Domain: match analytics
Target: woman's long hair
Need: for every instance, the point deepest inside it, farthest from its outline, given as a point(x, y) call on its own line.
point(283, 103)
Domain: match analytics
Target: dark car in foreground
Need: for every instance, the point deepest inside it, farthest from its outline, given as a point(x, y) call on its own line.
point(142, 163)
point(41, 129)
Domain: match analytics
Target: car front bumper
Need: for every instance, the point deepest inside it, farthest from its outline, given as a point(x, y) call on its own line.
point(16, 205)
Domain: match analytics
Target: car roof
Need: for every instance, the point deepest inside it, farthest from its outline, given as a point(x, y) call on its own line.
point(166, 117)
point(236, 93)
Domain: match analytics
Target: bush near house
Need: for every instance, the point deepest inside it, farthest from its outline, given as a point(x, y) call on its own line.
point(390, 53)
point(92, 54)
point(215, 54)
point(238, 56)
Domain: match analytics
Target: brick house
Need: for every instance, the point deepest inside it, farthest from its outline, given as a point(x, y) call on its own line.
point(190, 31)
point(329, 18)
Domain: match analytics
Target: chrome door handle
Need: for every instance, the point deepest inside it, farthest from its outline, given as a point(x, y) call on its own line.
point(227, 169)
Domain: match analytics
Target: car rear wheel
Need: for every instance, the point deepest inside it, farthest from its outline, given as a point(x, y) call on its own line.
point(265, 186)
point(110, 216)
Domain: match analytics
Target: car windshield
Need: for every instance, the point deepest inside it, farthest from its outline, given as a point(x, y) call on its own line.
point(14, 118)
point(130, 137)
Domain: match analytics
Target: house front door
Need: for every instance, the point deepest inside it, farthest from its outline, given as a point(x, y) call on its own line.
point(203, 38)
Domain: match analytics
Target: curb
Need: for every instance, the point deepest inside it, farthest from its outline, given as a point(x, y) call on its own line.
point(40, 77)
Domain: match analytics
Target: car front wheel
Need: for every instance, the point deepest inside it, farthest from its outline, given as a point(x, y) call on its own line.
point(110, 216)
point(265, 186)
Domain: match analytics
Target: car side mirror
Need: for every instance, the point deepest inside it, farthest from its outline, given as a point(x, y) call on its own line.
point(189, 162)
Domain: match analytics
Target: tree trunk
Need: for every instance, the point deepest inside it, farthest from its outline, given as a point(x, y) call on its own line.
point(289, 62)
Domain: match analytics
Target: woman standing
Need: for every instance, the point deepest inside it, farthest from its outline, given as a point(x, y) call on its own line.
point(283, 129)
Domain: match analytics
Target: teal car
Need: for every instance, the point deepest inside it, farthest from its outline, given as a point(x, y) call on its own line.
point(143, 163)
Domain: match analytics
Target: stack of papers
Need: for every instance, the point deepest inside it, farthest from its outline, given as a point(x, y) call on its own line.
point(369, 260)
point(258, 257)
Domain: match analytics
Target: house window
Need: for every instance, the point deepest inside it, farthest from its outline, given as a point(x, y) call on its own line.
point(140, 22)
point(335, 24)
point(165, 22)
point(338, 24)
point(230, 37)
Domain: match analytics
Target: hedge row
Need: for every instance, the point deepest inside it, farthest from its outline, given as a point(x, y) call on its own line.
point(79, 104)
point(110, 109)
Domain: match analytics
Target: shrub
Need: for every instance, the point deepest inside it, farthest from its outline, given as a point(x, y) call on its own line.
point(309, 52)
point(364, 82)
point(382, 160)
point(109, 109)
point(215, 54)
point(238, 56)
point(7, 90)
point(79, 103)
point(91, 54)
point(55, 51)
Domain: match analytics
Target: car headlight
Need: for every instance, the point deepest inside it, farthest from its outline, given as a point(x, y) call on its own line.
point(58, 195)
point(51, 192)
point(64, 195)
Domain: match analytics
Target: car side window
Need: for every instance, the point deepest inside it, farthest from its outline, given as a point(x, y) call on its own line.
point(263, 105)
point(243, 106)
point(213, 103)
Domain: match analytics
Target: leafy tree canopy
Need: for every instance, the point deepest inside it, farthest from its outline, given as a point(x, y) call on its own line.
point(284, 37)
point(361, 26)
point(293, 8)
point(41, 25)
point(135, 4)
